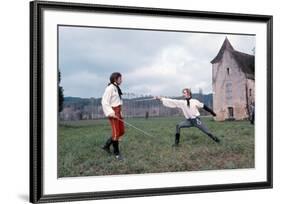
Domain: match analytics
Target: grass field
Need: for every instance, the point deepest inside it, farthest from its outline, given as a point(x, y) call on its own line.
point(80, 142)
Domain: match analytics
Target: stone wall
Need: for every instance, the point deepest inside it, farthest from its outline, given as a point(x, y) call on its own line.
point(230, 86)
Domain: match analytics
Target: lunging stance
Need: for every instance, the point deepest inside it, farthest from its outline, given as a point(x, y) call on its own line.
point(112, 107)
point(189, 107)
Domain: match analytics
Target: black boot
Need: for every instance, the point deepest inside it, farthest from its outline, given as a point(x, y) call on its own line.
point(177, 140)
point(106, 146)
point(116, 151)
point(217, 140)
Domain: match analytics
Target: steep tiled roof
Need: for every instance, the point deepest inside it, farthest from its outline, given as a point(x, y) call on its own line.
point(245, 61)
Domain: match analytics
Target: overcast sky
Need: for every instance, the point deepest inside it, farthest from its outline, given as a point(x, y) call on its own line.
point(151, 62)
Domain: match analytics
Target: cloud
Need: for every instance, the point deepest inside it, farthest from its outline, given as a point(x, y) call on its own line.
point(172, 70)
point(83, 84)
point(151, 62)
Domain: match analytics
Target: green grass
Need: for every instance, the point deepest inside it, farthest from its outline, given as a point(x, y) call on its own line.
point(80, 142)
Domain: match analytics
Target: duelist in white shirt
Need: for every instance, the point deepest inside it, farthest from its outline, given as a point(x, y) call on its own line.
point(112, 108)
point(110, 99)
point(189, 107)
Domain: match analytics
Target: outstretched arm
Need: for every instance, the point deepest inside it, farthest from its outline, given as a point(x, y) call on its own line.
point(209, 110)
point(171, 103)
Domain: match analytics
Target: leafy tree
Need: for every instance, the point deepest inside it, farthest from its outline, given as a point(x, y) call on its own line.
point(60, 93)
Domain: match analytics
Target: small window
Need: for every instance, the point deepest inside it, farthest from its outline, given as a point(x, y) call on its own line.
point(250, 92)
point(230, 112)
point(227, 70)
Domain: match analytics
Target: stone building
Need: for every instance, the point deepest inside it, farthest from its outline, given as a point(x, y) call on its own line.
point(233, 81)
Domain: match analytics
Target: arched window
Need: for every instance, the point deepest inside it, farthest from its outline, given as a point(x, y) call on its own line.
point(227, 70)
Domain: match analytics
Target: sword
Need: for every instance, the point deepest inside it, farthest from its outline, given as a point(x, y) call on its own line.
point(146, 133)
point(147, 99)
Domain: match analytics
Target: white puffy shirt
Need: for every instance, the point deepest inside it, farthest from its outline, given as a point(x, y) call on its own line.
point(189, 112)
point(110, 99)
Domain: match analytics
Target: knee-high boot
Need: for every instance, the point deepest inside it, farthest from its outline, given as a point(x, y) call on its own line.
point(177, 139)
point(107, 144)
point(116, 151)
point(217, 140)
point(115, 145)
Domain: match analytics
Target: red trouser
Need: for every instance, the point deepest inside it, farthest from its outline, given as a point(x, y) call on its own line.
point(117, 126)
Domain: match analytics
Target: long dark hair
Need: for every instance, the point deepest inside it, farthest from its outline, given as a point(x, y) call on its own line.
point(190, 93)
point(114, 76)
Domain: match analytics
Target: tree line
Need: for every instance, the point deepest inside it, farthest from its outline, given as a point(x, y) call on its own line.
point(76, 108)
